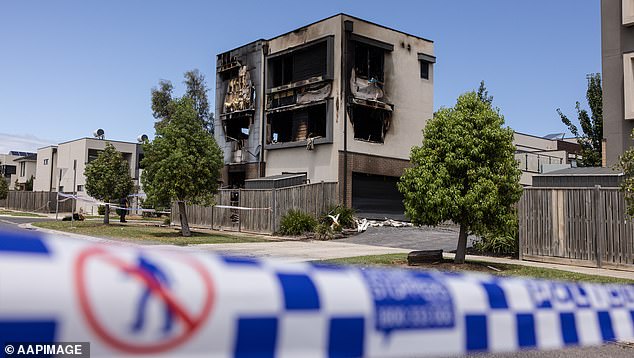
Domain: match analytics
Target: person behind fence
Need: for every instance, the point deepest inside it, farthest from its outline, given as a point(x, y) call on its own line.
point(123, 204)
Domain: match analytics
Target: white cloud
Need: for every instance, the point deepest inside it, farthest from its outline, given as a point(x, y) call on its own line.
point(22, 142)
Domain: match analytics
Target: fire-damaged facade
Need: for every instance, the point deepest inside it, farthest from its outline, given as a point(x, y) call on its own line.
point(341, 99)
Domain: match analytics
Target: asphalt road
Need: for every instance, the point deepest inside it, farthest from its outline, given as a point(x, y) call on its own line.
point(412, 238)
point(12, 222)
point(605, 351)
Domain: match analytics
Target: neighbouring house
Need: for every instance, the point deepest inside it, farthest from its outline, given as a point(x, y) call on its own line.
point(617, 48)
point(339, 100)
point(60, 166)
point(9, 166)
point(537, 155)
point(26, 169)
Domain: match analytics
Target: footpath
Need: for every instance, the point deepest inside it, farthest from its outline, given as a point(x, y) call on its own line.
point(309, 250)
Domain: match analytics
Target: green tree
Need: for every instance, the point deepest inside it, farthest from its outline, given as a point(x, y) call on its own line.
point(4, 188)
point(196, 90)
point(183, 161)
point(108, 178)
point(465, 171)
point(28, 186)
point(626, 164)
point(591, 125)
point(483, 94)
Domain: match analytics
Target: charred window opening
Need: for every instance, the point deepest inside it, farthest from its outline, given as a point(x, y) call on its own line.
point(369, 62)
point(237, 128)
point(297, 125)
point(370, 124)
point(240, 92)
point(299, 65)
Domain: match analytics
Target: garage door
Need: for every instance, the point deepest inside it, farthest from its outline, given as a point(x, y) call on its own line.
point(377, 196)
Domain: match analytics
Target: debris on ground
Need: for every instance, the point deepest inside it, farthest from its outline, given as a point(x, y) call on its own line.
point(364, 224)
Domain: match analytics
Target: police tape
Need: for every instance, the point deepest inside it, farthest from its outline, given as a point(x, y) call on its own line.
point(131, 300)
point(112, 205)
point(239, 207)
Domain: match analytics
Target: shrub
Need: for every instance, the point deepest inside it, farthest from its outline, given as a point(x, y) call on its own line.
point(167, 221)
point(295, 222)
point(504, 241)
point(506, 244)
point(346, 217)
point(101, 210)
point(323, 231)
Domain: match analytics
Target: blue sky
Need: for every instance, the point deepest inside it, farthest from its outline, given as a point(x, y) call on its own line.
point(69, 67)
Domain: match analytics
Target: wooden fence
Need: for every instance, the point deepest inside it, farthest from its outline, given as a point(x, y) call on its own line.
point(259, 210)
point(35, 201)
point(580, 226)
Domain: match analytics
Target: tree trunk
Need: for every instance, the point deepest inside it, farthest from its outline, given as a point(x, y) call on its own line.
point(183, 215)
point(461, 250)
point(106, 215)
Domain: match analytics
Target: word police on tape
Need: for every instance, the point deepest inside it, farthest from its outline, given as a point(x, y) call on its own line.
point(127, 300)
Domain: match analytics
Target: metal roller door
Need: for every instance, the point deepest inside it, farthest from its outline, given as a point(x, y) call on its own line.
point(377, 196)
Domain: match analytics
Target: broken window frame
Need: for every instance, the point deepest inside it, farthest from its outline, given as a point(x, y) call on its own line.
point(375, 110)
point(238, 123)
point(327, 138)
point(373, 107)
point(328, 74)
point(359, 42)
point(369, 63)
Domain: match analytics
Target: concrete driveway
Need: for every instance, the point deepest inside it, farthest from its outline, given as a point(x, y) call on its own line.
point(298, 251)
point(411, 238)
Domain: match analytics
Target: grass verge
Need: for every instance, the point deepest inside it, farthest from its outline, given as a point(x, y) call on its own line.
point(144, 234)
point(400, 260)
point(19, 213)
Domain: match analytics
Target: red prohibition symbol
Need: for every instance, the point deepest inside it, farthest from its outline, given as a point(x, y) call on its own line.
point(191, 322)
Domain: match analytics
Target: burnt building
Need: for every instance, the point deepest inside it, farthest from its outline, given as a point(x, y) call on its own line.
point(342, 99)
point(617, 49)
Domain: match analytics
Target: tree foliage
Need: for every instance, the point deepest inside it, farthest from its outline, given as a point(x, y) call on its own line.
point(183, 161)
point(591, 137)
point(626, 164)
point(28, 186)
point(4, 188)
point(465, 170)
point(108, 178)
point(196, 90)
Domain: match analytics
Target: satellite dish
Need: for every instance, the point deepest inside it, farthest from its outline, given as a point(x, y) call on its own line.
point(142, 138)
point(99, 133)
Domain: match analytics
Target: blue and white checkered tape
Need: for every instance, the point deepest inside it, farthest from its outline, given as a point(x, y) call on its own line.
point(127, 300)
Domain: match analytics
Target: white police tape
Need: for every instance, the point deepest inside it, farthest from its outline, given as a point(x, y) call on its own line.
point(112, 205)
point(130, 300)
point(239, 207)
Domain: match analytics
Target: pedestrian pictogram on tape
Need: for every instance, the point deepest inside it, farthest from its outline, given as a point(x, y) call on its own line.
point(152, 316)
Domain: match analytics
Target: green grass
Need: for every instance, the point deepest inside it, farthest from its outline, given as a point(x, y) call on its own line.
point(145, 234)
point(19, 213)
point(506, 269)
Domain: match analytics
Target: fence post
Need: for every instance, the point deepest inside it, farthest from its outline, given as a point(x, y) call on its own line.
point(212, 216)
point(520, 217)
point(598, 242)
point(324, 206)
point(274, 211)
